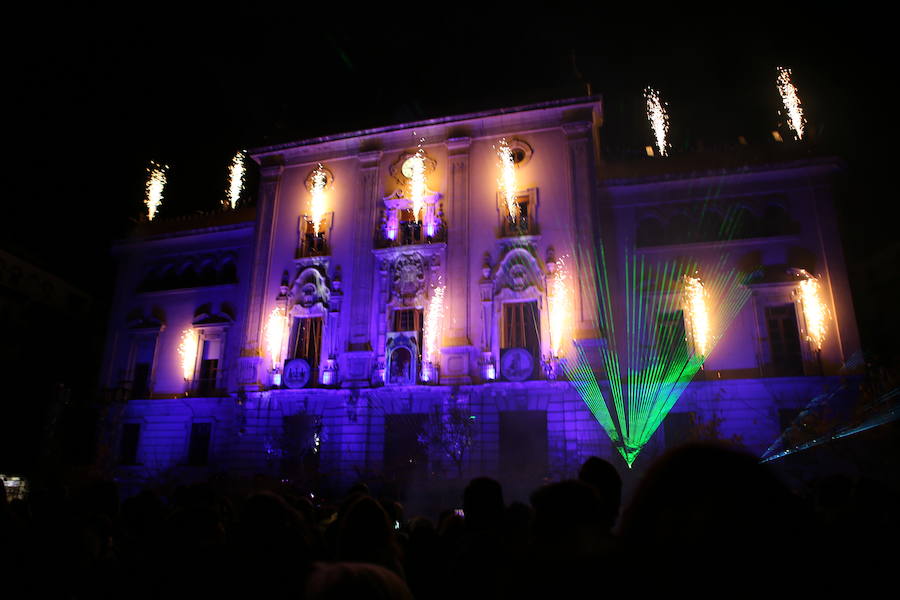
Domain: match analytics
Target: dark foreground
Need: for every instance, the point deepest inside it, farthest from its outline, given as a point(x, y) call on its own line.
point(703, 517)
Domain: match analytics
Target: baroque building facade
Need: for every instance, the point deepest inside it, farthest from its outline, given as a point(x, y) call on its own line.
point(352, 325)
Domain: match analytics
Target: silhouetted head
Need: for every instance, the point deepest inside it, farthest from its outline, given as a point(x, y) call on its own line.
point(355, 580)
point(358, 489)
point(710, 503)
point(272, 536)
point(603, 477)
point(568, 517)
point(483, 503)
point(271, 527)
point(365, 533)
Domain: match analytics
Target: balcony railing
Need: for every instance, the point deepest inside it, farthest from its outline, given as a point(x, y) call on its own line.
point(523, 225)
point(409, 233)
point(313, 245)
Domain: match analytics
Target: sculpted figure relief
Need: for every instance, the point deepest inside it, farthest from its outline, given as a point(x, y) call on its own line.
point(408, 277)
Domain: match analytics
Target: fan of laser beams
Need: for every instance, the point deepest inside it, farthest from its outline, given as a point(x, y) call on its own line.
point(650, 352)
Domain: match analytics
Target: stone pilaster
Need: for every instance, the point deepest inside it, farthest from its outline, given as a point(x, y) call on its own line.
point(457, 351)
point(581, 195)
point(358, 358)
point(267, 211)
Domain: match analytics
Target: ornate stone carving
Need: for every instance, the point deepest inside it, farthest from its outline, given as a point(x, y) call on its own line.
point(517, 364)
point(310, 178)
point(518, 277)
point(518, 271)
point(297, 373)
point(521, 150)
point(407, 277)
point(399, 169)
point(310, 288)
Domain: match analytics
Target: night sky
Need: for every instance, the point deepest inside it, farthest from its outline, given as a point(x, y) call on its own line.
point(93, 101)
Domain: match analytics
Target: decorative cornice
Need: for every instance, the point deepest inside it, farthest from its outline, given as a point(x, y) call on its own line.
point(577, 129)
point(370, 158)
point(270, 172)
point(458, 145)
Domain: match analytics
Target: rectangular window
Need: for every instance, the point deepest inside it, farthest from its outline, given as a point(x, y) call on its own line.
point(522, 224)
point(128, 446)
point(209, 366)
point(410, 228)
point(784, 340)
point(145, 347)
point(521, 327)
point(313, 244)
point(307, 336)
point(408, 319)
point(198, 451)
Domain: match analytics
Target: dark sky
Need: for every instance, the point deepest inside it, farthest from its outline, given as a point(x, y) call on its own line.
point(97, 94)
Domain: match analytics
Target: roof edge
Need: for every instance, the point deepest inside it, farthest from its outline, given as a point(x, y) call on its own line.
point(267, 150)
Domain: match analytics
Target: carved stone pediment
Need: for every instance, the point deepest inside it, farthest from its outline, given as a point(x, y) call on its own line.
point(407, 277)
point(310, 289)
point(518, 271)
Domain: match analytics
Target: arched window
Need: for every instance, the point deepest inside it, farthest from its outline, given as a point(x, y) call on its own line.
point(775, 220)
point(208, 275)
point(682, 229)
point(228, 271)
point(744, 224)
point(710, 227)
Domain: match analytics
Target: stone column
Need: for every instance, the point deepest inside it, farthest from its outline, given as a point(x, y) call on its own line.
point(582, 196)
point(357, 366)
point(251, 361)
point(457, 352)
point(382, 296)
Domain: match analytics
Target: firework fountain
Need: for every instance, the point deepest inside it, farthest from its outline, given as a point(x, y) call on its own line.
point(275, 327)
point(659, 119)
point(187, 351)
point(788, 92)
point(417, 187)
point(431, 330)
point(696, 314)
point(815, 313)
point(507, 180)
point(560, 305)
point(317, 197)
point(156, 185)
point(237, 172)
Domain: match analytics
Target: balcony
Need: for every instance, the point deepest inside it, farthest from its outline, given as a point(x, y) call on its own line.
point(313, 245)
point(409, 233)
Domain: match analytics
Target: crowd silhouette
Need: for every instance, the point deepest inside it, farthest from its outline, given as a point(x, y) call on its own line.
point(699, 509)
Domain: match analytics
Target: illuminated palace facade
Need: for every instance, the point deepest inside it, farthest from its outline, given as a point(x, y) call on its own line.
point(392, 308)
